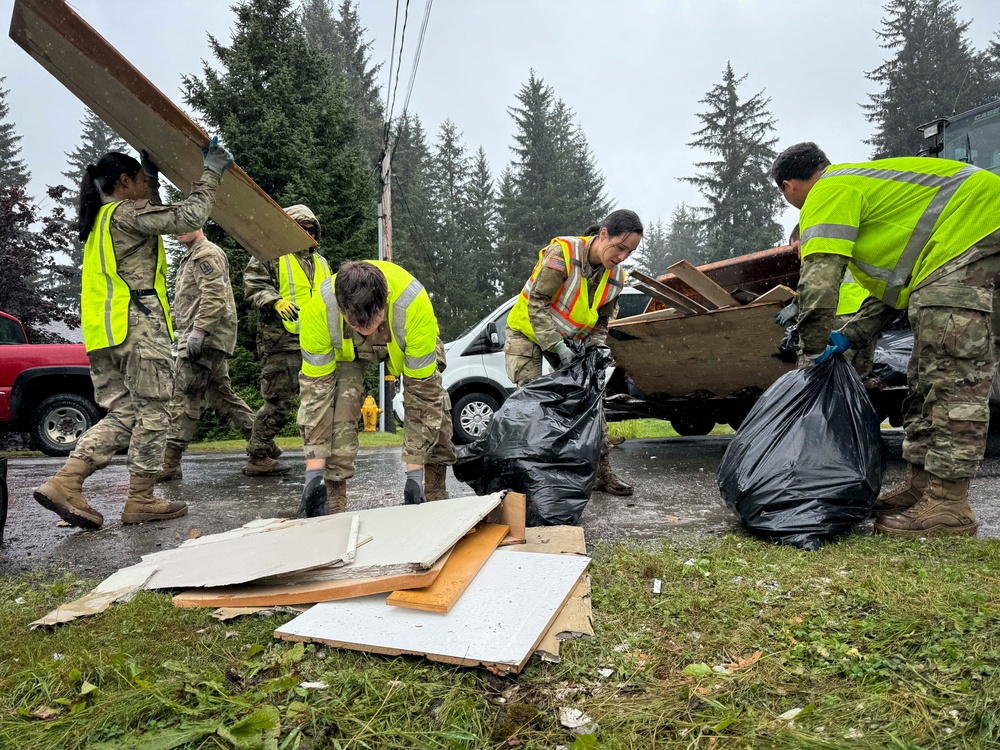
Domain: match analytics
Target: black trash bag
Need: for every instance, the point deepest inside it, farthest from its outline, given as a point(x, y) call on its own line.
point(545, 441)
point(807, 463)
point(788, 349)
point(892, 355)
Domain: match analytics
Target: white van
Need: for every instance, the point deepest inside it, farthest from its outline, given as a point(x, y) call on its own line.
point(476, 378)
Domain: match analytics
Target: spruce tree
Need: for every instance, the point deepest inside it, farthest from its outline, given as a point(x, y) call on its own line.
point(933, 73)
point(413, 226)
point(13, 171)
point(479, 223)
point(685, 238)
point(743, 205)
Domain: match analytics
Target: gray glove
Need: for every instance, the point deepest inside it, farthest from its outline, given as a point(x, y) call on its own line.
point(195, 344)
point(787, 314)
point(413, 491)
point(313, 495)
point(217, 158)
point(148, 166)
point(564, 353)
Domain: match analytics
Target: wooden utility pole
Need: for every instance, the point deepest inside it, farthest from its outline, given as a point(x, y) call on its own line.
point(387, 390)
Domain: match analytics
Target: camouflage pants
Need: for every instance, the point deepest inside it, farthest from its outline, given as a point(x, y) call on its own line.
point(200, 382)
point(133, 382)
point(427, 428)
point(946, 413)
point(279, 383)
point(523, 362)
point(861, 359)
point(328, 417)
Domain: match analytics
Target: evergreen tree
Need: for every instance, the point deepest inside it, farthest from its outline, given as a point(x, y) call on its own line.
point(685, 239)
point(479, 223)
point(552, 186)
point(414, 229)
point(649, 258)
point(743, 206)
point(934, 72)
point(13, 171)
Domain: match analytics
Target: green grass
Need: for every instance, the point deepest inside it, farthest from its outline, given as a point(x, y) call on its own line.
point(655, 428)
point(880, 643)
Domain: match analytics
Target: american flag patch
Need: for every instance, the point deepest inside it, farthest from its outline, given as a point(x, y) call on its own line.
point(557, 263)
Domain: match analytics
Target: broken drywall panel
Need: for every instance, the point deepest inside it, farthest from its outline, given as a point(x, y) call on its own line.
point(405, 538)
point(497, 623)
point(224, 614)
point(465, 560)
point(254, 595)
point(325, 541)
point(97, 74)
point(119, 586)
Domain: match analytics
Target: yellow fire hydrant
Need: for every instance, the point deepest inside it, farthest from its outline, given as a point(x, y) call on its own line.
point(370, 412)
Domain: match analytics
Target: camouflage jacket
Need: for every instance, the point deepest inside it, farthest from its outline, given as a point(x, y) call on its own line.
point(260, 287)
point(203, 298)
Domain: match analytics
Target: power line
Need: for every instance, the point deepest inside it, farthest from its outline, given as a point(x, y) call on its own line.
point(392, 55)
point(416, 57)
point(399, 60)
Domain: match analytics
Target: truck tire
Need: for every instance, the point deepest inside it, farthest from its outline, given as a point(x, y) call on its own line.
point(60, 421)
point(470, 415)
point(692, 425)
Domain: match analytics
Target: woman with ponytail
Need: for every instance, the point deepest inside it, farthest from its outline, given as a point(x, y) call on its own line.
point(126, 328)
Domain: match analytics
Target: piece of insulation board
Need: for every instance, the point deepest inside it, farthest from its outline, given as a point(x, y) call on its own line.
point(119, 586)
point(94, 71)
point(405, 538)
point(318, 542)
point(497, 623)
point(465, 560)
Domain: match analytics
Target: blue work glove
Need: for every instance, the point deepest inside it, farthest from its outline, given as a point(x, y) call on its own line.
point(839, 343)
point(413, 492)
point(564, 353)
point(787, 314)
point(148, 166)
point(195, 344)
point(217, 158)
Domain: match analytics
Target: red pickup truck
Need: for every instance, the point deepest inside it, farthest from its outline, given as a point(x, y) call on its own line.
point(45, 389)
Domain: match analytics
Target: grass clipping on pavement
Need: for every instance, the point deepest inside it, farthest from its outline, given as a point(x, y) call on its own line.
point(867, 643)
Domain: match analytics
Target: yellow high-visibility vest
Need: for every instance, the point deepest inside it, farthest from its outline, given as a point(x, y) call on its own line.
point(105, 295)
point(295, 287)
point(852, 295)
point(572, 311)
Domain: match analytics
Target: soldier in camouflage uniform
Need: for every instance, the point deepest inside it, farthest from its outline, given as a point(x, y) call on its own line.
point(277, 347)
point(126, 328)
point(204, 314)
point(378, 304)
point(921, 234)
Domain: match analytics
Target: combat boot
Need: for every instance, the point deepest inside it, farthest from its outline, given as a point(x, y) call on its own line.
point(274, 451)
point(265, 466)
point(171, 464)
point(142, 506)
point(608, 481)
point(435, 482)
point(944, 510)
point(63, 495)
point(906, 496)
point(336, 495)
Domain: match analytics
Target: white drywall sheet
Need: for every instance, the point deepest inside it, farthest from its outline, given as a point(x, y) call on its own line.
point(497, 623)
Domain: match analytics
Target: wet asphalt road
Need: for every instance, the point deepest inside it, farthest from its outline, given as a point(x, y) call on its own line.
point(675, 481)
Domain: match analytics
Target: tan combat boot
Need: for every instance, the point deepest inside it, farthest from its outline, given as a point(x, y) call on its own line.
point(171, 464)
point(63, 495)
point(608, 481)
point(435, 482)
point(944, 510)
point(142, 506)
point(336, 495)
point(265, 466)
point(906, 496)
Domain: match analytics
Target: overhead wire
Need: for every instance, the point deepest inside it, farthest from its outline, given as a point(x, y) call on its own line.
point(392, 55)
point(399, 60)
point(416, 56)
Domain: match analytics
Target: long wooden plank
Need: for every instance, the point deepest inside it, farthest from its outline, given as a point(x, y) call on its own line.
point(466, 559)
point(306, 593)
point(94, 71)
point(712, 292)
point(665, 294)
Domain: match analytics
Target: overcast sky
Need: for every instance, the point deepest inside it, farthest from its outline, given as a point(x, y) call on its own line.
point(632, 70)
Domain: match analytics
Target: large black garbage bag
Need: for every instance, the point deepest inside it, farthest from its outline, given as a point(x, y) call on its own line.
point(545, 441)
point(892, 355)
point(806, 464)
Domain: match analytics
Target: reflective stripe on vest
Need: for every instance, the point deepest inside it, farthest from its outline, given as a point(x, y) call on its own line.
point(295, 287)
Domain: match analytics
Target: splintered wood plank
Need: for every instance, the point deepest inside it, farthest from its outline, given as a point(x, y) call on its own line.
point(712, 292)
point(306, 593)
point(777, 294)
point(511, 513)
point(97, 74)
point(465, 561)
point(497, 623)
point(665, 294)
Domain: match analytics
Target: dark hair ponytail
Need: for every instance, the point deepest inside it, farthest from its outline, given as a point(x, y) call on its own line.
point(591, 230)
point(98, 181)
point(622, 222)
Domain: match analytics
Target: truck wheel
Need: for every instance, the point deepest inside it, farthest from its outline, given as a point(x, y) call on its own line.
point(690, 426)
point(60, 421)
point(471, 414)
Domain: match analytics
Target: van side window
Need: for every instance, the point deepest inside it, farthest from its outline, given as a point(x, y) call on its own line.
point(10, 332)
point(501, 323)
point(632, 304)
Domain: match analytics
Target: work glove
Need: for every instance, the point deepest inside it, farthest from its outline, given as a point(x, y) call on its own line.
point(839, 343)
point(313, 496)
point(413, 492)
point(148, 166)
point(195, 344)
point(564, 353)
point(787, 314)
point(286, 310)
point(217, 158)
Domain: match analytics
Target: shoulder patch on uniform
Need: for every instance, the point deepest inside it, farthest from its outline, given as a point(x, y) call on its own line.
point(557, 263)
point(206, 267)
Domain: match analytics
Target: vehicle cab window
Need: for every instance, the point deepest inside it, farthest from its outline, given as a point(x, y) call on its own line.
point(11, 332)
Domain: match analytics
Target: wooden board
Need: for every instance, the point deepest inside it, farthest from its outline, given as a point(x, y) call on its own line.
point(719, 352)
point(665, 294)
point(465, 561)
point(498, 623)
point(305, 593)
point(714, 294)
point(512, 514)
point(778, 294)
point(94, 71)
